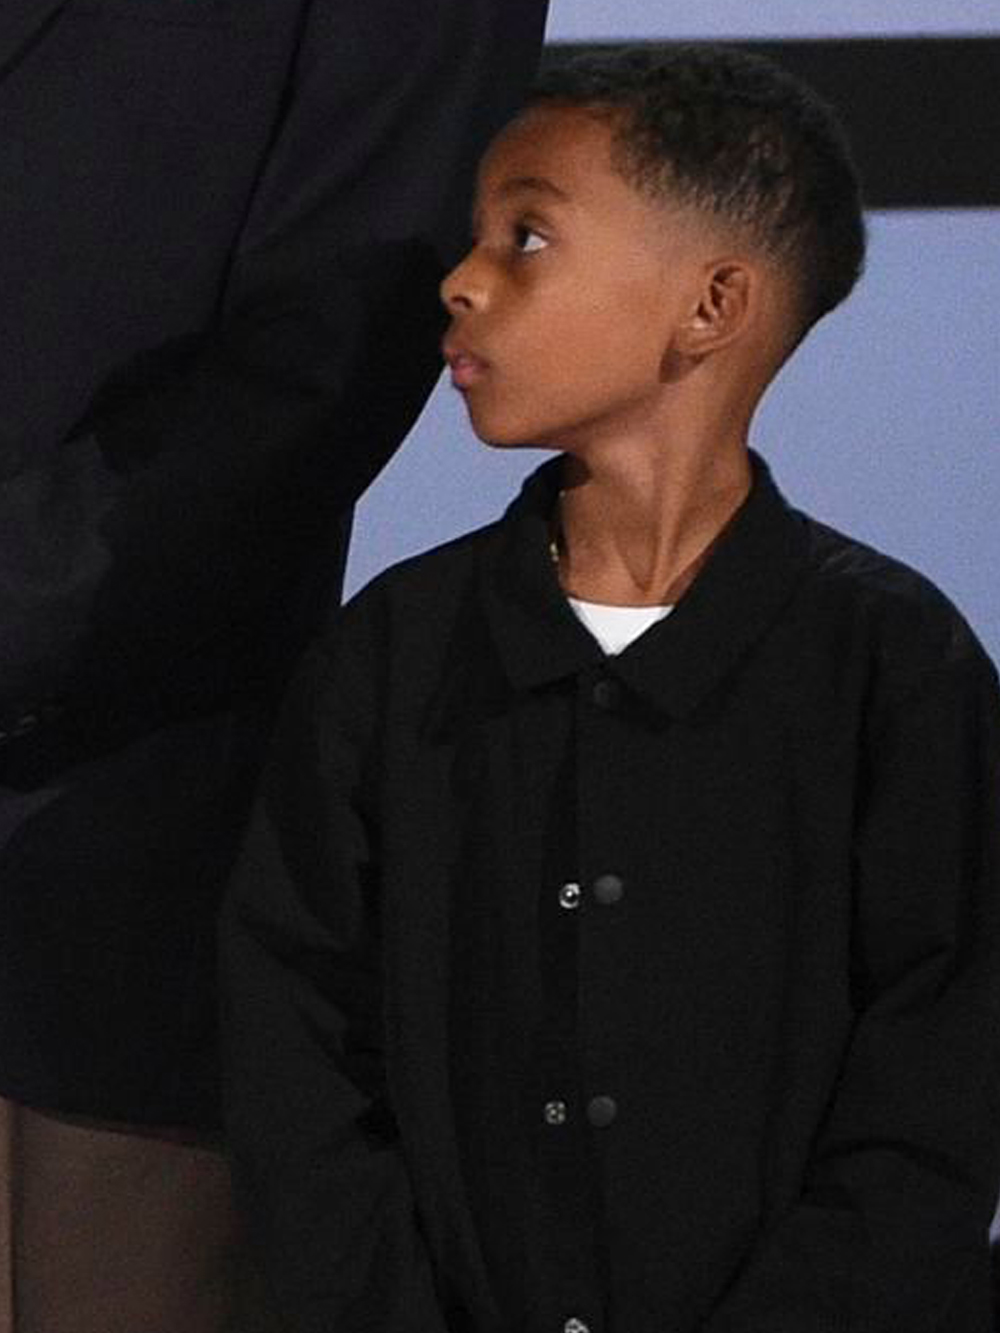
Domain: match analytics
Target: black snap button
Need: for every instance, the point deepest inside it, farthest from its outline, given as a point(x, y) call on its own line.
point(605, 694)
point(569, 896)
point(609, 889)
point(601, 1111)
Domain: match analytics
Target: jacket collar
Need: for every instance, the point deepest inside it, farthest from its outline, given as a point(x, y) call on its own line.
point(20, 21)
point(674, 666)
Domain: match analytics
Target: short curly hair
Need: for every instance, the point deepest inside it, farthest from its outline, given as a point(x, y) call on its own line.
point(729, 132)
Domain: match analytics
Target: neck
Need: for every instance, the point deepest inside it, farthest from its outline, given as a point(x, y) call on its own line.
point(635, 527)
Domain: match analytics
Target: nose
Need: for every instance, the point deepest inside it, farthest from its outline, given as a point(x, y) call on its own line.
point(464, 288)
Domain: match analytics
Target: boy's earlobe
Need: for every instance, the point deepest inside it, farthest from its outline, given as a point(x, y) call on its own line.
point(721, 312)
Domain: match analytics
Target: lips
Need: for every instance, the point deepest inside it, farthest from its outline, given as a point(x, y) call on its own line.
point(466, 367)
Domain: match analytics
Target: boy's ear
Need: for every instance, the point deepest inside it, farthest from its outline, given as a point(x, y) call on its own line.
point(723, 308)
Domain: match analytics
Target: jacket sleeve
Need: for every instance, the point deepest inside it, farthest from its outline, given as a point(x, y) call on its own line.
point(890, 1232)
point(315, 1148)
point(161, 556)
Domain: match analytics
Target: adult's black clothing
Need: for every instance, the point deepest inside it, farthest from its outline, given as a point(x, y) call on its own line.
point(745, 1080)
point(222, 226)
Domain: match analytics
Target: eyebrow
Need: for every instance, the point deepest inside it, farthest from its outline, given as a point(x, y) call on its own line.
point(531, 184)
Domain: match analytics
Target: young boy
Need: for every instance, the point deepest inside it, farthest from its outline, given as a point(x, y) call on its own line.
point(617, 946)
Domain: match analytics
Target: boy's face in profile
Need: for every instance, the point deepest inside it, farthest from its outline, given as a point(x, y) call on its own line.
point(564, 311)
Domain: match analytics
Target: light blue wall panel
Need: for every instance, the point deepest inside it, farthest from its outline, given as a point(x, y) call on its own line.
point(886, 423)
point(593, 20)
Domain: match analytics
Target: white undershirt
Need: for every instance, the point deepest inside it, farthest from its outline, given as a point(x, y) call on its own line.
point(615, 627)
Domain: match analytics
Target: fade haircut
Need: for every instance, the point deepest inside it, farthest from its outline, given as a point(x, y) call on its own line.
point(732, 134)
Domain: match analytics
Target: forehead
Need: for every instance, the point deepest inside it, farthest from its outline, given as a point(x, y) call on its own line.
point(558, 149)
point(562, 158)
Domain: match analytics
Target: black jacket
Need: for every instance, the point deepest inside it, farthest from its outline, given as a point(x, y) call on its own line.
point(222, 225)
point(773, 1031)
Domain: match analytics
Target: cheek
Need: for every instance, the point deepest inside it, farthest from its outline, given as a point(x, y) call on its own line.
point(579, 344)
point(565, 359)
point(605, 353)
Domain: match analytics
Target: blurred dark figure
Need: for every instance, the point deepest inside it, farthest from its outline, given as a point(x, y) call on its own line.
point(222, 225)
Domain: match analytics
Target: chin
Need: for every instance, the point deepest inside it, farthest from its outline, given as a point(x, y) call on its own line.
point(500, 429)
point(503, 442)
point(500, 435)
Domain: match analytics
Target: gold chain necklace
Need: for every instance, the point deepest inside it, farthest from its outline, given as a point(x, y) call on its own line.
point(556, 532)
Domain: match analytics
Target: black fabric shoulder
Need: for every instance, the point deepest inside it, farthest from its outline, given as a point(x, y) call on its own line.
point(912, 625)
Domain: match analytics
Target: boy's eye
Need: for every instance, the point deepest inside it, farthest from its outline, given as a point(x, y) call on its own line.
point(528, 240)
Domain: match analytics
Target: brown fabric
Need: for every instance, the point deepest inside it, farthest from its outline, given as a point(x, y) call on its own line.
point(106, 1229)
point(7, 1114)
